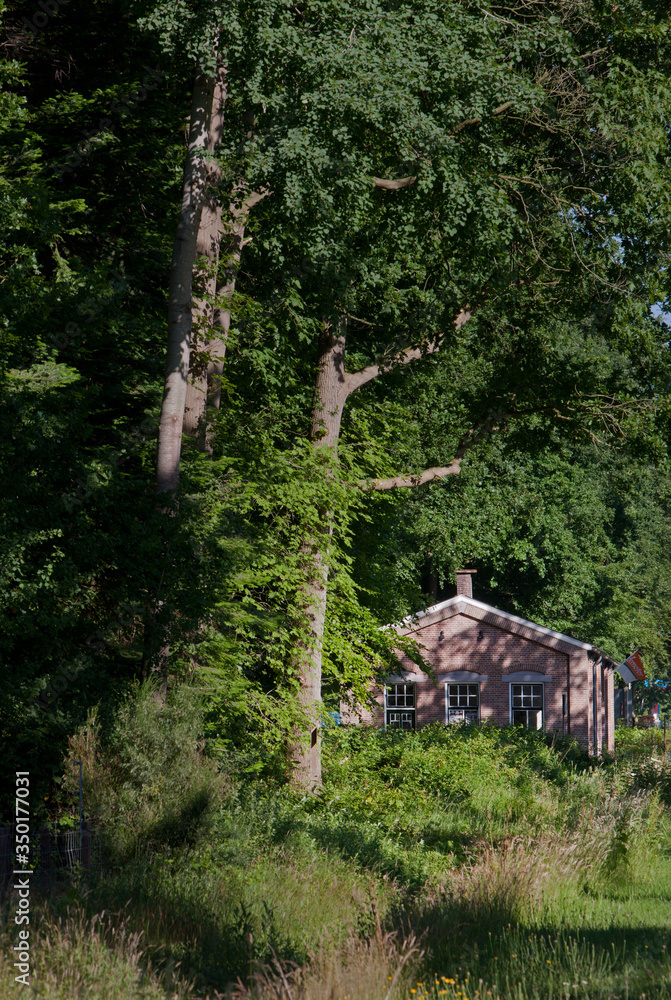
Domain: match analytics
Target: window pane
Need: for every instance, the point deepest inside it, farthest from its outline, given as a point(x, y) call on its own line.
point(527, 695)
point(462, 703)
point(401, 696)
point(456, 715)
point(526, 704)
point(401, 720)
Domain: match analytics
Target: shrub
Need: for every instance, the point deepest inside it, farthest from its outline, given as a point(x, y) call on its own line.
point(147, 780)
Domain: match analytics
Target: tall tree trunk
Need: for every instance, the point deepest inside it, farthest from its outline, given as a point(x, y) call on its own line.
point(194, 187)
point(218, 237)
point(329, 399)
point(332, 389)
point(204, 311)
point(214, 323)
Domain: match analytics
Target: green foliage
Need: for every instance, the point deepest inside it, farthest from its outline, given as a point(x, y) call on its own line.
point(538, 143)
point(146, 780)
point(570, 875)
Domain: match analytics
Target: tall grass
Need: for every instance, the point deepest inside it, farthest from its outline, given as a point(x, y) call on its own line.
point(450, 862)
point(80, 957)
point(358, 969)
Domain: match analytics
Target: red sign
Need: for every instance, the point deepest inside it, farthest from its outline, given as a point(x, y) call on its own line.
point(635, 664)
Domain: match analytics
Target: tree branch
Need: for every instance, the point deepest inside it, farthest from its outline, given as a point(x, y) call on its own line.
point(416, 479)
point(475, 121)
point(470, 438)
point(386, 185)
point(605, 410)
point(354, 380)
point(254, 197)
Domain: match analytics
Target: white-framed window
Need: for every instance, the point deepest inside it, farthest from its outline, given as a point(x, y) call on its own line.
point(526, 705)
point(463, 703)
point(400, 706)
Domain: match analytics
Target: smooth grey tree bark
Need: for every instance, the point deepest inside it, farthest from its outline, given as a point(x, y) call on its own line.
point(180, 324)
point(195, 183)
point(326, 417)
point(221, 238)
point(206, 317)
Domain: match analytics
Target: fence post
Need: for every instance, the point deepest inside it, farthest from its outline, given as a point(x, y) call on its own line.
point(45, 853)
point(5, 856)
point(86, 844)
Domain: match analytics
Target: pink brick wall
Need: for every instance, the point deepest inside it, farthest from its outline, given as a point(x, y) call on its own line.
point(475, 642)
point(453, 644)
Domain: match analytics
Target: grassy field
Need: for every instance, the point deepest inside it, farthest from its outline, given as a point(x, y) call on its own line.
point(461, 863)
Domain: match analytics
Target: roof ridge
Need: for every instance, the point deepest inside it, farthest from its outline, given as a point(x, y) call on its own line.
point(409, 620)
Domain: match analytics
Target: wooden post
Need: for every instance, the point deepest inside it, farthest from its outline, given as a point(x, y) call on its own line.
point(665, 736)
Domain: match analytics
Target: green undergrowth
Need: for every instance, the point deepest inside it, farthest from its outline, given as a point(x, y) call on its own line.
point(457, 862)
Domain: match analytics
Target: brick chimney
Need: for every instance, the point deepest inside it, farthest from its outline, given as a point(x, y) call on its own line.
point(465, 582)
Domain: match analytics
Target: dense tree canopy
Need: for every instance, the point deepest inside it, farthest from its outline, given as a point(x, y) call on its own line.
point(460, 212)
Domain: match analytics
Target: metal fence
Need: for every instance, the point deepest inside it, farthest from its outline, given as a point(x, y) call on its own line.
point(55, 855)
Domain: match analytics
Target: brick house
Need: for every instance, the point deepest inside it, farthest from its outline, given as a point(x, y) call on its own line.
point(491, 666)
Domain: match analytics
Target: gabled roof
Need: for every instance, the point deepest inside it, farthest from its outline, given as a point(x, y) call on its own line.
point(462, 605)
